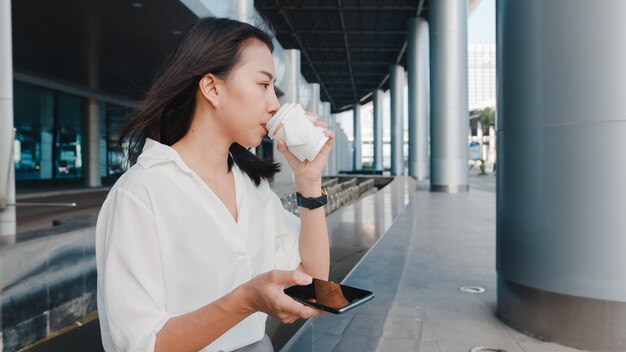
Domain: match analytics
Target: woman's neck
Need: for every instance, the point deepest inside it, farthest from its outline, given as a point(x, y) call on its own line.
point(204, 149)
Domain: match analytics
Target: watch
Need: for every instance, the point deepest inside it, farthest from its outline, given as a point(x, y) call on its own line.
point(313, 202)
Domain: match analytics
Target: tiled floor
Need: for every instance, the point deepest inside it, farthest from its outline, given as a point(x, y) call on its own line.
point(439, 243)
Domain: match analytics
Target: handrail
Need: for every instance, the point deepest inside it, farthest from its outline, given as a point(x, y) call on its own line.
point(30, 204)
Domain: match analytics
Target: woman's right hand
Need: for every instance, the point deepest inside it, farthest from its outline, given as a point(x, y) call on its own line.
point(264, 293)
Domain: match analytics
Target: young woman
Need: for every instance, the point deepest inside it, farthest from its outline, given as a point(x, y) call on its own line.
point(193, 248)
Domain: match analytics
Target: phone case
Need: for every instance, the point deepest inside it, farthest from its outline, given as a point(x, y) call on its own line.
point(329, 296)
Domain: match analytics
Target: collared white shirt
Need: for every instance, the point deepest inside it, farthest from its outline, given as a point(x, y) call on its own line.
point(166, 245)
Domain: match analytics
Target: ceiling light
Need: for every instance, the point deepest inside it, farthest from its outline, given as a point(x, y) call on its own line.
point(137, 5)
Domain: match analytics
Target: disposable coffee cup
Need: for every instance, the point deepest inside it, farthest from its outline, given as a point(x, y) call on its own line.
point(291, 125)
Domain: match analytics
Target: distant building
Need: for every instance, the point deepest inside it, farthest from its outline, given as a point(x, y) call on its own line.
point(481, 75)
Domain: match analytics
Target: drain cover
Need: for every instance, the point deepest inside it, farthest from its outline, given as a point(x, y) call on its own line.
point(473, 289)
point(486, 349)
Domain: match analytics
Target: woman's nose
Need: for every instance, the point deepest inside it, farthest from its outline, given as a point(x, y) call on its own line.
point(273, 104)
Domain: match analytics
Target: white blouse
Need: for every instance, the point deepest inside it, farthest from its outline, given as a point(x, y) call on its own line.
point(166, 245)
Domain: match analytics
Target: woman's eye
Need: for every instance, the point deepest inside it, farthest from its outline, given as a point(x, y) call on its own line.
point(265, 85)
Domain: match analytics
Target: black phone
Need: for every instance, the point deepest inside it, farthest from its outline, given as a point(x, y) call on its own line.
point(329, 296)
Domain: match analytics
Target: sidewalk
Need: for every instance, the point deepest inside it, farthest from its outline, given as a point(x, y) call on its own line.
point(438, 244)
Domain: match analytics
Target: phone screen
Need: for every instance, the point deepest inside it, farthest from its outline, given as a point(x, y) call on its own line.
point(329, 296)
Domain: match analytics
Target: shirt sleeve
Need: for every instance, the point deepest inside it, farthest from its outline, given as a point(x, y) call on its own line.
point(130, 279)
point(287, 237)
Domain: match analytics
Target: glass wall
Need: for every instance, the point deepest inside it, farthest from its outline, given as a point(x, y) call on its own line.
point(48, 139)
point(116, 118)
point(34, 137)
point(67, 141)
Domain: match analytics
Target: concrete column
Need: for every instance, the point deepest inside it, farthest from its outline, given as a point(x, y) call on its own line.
point(337, 146)
point(326, 111)
point(357, 162)
point(46, 139)
point(345, 151)
point(314, 101)
point(378, 95)
point(329, 169)
point(7, 135)
point(91, 144)
point(340, 148)
point(479, 138)
point(396, 88)
point(418, 84)
point(293, 77)
point(291, 96)
point(339, 151)
point(491, 155)
point(449, 121)
point(243, 10)
point(349, 156)
point(561, 171)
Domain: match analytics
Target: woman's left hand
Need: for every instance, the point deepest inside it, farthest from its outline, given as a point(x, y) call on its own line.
point(308, 174)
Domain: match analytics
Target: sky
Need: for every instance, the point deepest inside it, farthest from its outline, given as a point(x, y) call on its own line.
point(482, 23)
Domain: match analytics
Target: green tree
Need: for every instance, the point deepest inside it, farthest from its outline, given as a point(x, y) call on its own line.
point(487, 117)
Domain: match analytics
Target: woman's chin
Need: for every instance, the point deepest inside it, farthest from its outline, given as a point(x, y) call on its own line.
point(251, 143)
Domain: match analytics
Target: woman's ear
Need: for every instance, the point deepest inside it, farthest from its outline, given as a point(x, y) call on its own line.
point(209, 88)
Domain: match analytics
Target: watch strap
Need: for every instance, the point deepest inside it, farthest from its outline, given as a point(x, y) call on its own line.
point(312, 202)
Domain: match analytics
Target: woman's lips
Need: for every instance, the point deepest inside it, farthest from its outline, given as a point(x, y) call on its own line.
point(265, 128)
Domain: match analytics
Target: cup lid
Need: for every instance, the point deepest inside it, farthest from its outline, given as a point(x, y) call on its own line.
point(274, 122)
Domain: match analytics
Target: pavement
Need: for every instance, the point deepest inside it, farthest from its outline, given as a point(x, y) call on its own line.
point(423, 247)
point(439, 243)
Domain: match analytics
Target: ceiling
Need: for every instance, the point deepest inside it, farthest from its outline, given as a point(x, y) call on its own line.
point(116, 47)
point(346, 45)
point(113, 47)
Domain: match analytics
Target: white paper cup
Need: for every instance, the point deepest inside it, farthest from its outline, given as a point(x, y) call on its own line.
point(291, 125)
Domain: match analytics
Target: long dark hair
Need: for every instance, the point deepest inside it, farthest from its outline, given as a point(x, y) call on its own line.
point(212, 45)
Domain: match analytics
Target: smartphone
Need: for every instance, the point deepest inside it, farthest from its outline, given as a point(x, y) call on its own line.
point(329, 296)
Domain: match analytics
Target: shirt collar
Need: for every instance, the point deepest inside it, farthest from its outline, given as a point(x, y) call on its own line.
point(154, 153)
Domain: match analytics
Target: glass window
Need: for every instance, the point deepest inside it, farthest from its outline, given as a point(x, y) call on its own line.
point(49, 135)
point(68, 155)
point(102, 140)
point(116, 119)
point(34, 124)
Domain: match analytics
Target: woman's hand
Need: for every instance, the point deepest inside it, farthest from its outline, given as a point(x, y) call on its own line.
point(264, 293)
point(308, 174)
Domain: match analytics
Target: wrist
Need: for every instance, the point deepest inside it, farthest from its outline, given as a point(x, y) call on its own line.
point(310, 190)
point(241, 301)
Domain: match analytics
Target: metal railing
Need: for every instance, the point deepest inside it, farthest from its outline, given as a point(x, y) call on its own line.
point(340, 194)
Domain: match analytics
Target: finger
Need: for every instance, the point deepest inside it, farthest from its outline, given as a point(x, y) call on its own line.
point(294, 277)
point(307, 312)
point(289, 321)
point(286, 318)
point(299, 310)
point(320, 123)
point(329, 144)
point(300, 278)
point(284, 150)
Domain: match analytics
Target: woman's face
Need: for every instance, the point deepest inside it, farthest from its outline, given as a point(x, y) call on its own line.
point(249, 100)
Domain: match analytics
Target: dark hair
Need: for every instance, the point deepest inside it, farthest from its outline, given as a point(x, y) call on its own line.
point(212, 45)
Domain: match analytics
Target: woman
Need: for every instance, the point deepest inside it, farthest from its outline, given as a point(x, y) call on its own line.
point(193, 248)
